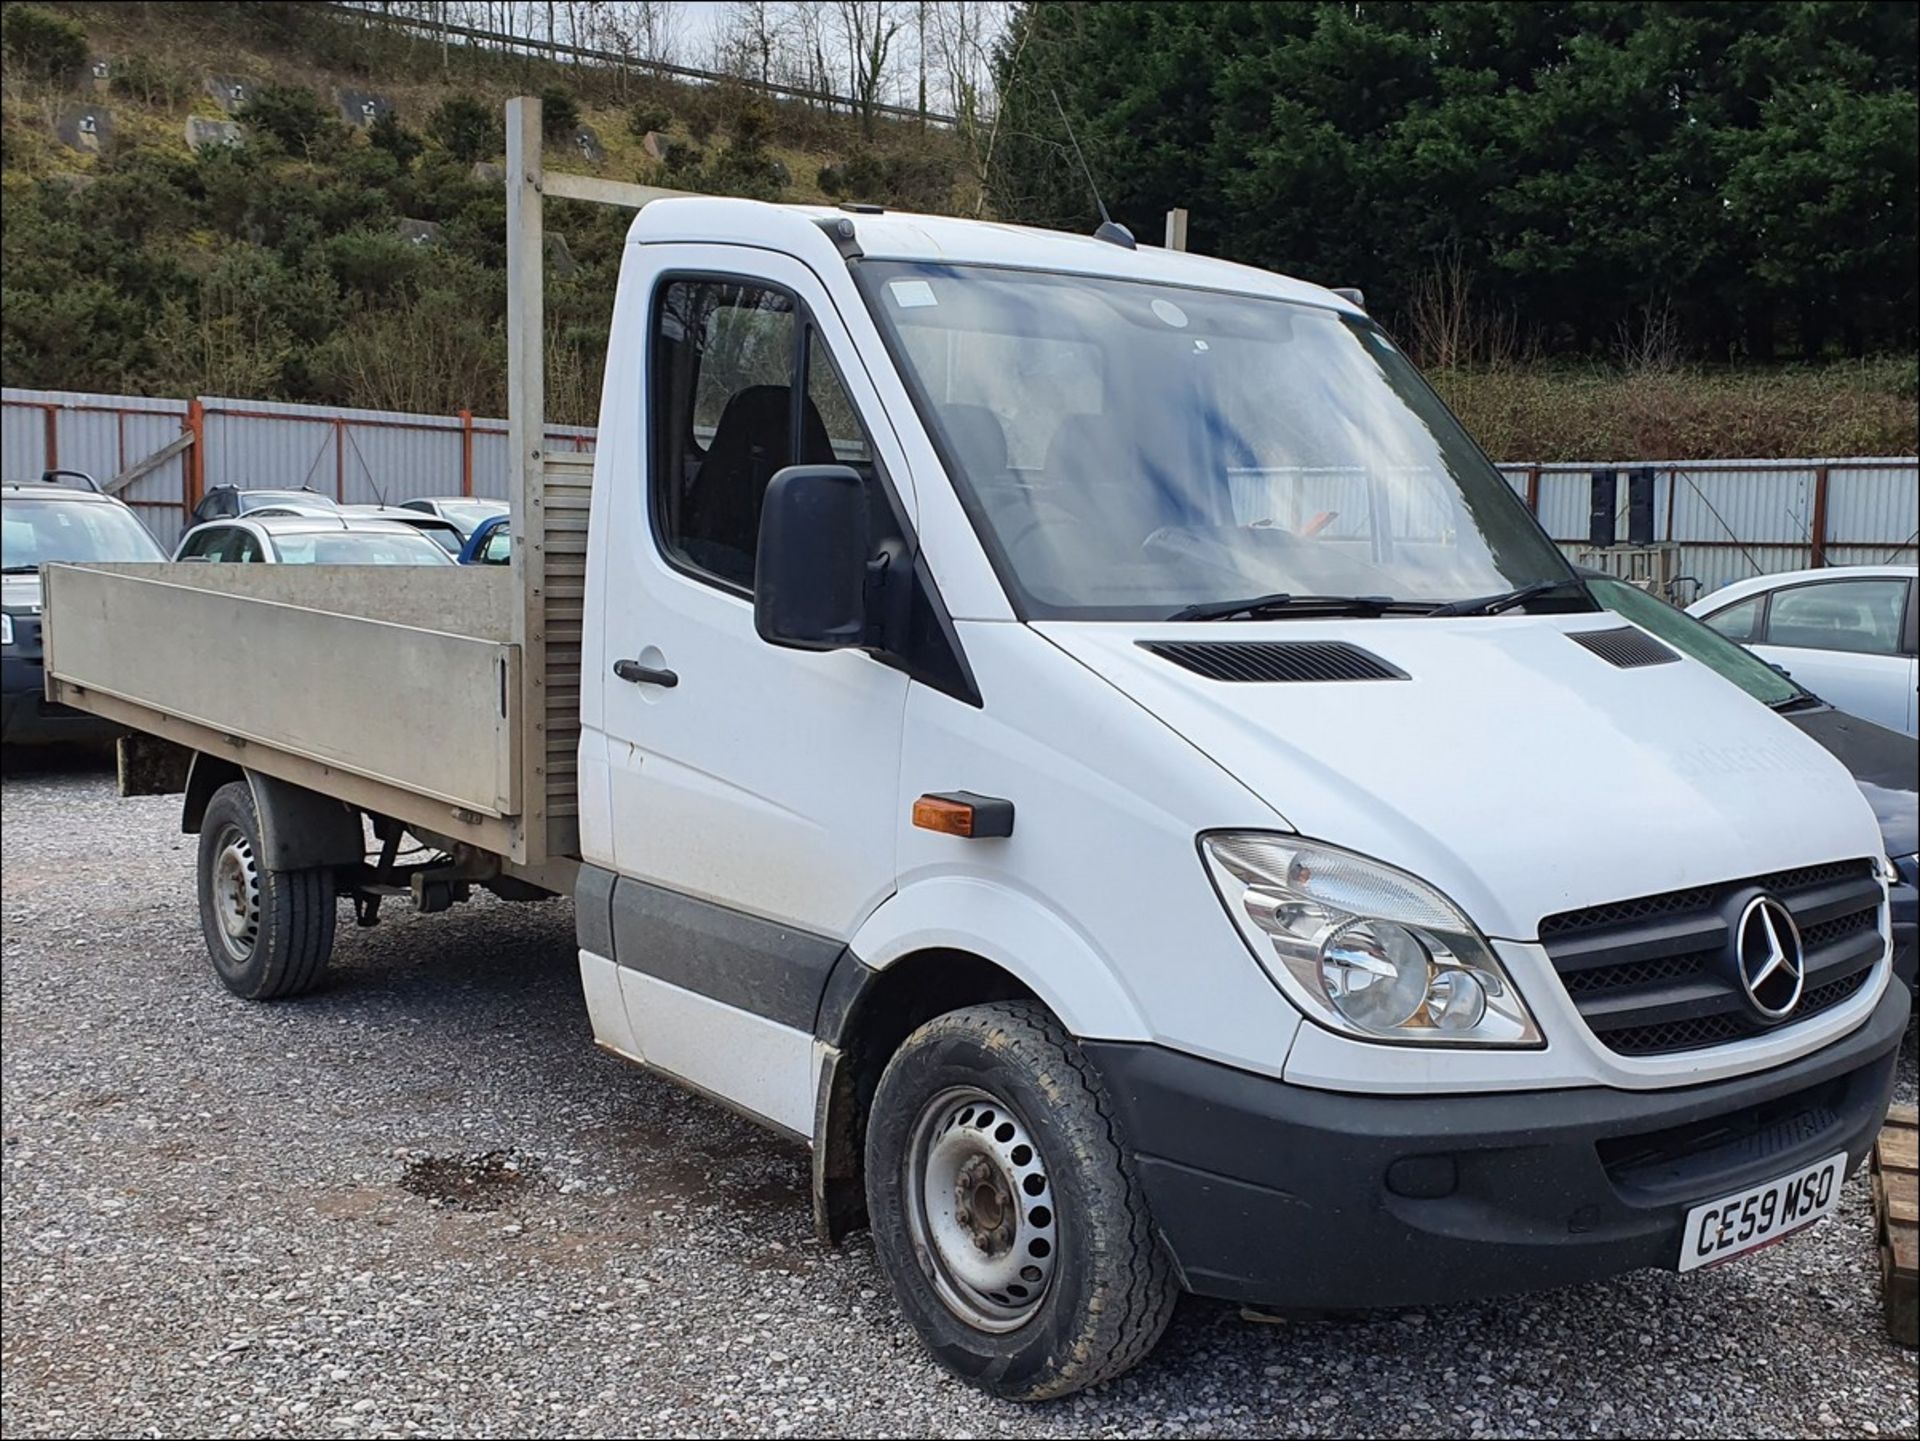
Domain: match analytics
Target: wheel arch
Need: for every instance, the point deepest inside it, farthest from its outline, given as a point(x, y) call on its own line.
point(911, 962)
point(299, 828)
point(864, 1016)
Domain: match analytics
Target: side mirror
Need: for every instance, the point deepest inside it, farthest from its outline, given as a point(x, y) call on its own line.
point(810, 572)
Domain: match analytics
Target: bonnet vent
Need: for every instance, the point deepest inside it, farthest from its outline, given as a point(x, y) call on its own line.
point(1275, 660)
point(1624, 647)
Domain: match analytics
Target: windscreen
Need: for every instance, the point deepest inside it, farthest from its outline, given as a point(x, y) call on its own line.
point(469, 513)
point(1129, 450)
point(346, 547)
point(33, 532)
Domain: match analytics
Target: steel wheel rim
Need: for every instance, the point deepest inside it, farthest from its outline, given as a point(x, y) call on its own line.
point(235, 893)
point(980, 1209)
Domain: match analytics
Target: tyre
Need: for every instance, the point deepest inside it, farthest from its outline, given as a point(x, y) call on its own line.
point(268, 932)
point(1005, 1208)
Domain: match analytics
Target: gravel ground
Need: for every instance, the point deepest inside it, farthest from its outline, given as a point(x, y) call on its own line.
point(420, 1201)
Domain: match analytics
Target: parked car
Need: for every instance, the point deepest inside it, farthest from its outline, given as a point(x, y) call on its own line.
point(1846, 632)
point(1885, 765)
point(441, 531)
point(42, 522)
point(463, 510)
point(490, 544)
point(310, 540)
point(229, 500)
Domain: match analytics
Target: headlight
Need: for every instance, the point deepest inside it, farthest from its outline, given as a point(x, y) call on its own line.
point(6, 628)
point(1363, 948)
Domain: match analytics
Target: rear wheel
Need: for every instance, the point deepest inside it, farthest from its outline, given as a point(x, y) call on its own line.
point(268, 932)
point(1005, 1208)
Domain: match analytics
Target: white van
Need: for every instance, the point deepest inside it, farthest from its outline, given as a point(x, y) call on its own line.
point(1079, 736)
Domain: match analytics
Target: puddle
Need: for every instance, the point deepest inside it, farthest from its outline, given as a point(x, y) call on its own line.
point(469, 1183)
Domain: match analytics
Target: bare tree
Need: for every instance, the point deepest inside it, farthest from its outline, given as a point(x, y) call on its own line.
point(960, 40)
point(1648, 342)
point(751, 41)
point(806, 22)
point(1449, 328)
point(636, 29)
point(868, 29)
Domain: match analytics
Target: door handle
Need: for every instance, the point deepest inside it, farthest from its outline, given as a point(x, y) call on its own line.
point(632, 670)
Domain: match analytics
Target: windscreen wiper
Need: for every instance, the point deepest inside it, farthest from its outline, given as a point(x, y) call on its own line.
point(1797, 702)
point(1504, 600)
point(1257, 606)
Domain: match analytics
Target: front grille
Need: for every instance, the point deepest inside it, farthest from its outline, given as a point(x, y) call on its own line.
point(1655, 974)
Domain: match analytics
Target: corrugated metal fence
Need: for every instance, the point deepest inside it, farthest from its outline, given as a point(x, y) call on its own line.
point(1731, 518)
point(355, 456)
point(1736, 518)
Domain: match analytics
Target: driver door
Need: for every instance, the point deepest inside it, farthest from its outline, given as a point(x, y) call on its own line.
point(754, 789)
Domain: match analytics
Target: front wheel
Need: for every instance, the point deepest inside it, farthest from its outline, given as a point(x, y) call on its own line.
point(268, 932)
point(1005, 1208)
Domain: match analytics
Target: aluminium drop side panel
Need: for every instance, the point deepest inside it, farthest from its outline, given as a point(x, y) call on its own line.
point(423, 713)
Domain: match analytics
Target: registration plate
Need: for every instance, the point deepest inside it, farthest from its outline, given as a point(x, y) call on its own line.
point(1750, 1219)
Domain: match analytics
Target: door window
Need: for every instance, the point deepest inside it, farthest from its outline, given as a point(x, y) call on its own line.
point(1850, 615)
point(741, 390)
point(830, 401)
point(1739, 622)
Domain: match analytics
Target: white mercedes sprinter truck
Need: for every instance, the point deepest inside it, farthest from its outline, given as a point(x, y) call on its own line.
point(1080, 737)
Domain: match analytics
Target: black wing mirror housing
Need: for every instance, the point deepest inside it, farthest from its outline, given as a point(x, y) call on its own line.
point(811, 566)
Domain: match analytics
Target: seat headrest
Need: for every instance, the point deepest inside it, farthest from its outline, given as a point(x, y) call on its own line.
point(1082, 447)
point(978, 436)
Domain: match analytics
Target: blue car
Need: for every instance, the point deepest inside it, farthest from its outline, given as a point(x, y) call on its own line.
point(490, 544)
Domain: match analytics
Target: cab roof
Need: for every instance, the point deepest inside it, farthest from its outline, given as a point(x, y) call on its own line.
point(943, 239)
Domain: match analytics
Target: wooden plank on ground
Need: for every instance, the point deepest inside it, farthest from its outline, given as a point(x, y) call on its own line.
point(1896, 1210)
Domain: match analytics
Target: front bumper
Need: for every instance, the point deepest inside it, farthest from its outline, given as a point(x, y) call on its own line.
point(1276, 1194)
point(1903, 900)
point(27, 716)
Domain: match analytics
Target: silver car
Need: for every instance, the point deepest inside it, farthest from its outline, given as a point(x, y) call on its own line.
point(309, 540)
point(465, 511)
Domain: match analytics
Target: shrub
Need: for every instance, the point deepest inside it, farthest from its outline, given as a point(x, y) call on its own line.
point(42, 43)
point(745, 171)
point(291, 114)
point(684, 164)
point(646, 117)
point(466, 127)
point(910, 179)
point(152, 82)
point(371, 263)
point(370, 166)
point(752, 127)
point(559, 113)
point(388, 134)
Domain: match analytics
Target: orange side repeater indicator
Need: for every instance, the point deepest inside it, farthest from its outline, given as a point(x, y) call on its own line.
point(964, 814)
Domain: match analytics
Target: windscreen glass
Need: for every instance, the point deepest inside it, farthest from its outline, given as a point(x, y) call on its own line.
point(346, 547)
point(469, 513)
point(1128, 450)
point(33, 532)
